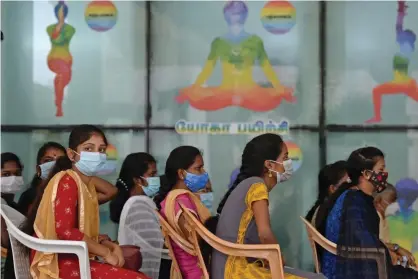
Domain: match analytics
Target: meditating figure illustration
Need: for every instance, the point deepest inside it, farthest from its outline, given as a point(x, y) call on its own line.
point(402, 83)
point(59, 58)
point(238, 52)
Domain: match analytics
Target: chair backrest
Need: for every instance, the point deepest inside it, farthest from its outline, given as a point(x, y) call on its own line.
point(20, 254)
point(139, 225)
point(19, 241)
point(270, 252)
point(170, 234)
point(316, 237)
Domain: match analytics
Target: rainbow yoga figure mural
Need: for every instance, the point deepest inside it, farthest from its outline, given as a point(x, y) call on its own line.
point(402, 83)
point(403, 223)
point(238, 52)
point(59, 58)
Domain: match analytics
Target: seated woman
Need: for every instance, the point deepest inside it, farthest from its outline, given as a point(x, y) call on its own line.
point(11, 183)
point(381, 203)
point(185, 175)
point(138, 177)
point(243, 214)
point(329, 179)
point(350, 220)
point(68, 209)
point(45, 161)
point(11, 178)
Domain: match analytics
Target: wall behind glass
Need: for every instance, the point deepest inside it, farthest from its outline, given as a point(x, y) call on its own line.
point(26, 146)
point(193, 44)
point(371, 53)
point(288, 201)
point(102, 74)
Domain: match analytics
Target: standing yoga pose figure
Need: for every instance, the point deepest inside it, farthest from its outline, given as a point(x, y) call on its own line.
point(59, 58)
point(402, 83)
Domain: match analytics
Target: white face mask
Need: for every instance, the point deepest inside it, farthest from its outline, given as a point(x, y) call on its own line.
point(11, 184)
point(288, 170)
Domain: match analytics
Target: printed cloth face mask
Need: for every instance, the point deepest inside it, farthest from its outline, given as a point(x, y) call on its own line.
point(196, 182)
point(207, 200)
point(153, 186)
point(288, 170)
point(11, 184)
point(90, 162)
point(379, 180)
point(46, 169)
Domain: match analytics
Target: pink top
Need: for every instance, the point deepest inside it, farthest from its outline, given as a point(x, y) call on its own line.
point(189, 265)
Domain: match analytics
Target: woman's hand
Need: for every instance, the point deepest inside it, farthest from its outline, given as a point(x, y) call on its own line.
point(408, 255)
point(111, 258)
point(118, 252)
point(103, 237)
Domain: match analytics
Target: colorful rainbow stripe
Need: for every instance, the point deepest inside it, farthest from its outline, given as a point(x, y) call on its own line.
point(278, 17)
point(101, 15)
point(111, 152)
point(295, 153)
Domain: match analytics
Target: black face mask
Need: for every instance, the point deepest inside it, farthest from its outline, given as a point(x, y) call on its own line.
point(379, 180)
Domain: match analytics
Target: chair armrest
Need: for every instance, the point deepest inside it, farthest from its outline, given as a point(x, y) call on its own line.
point(379, 255)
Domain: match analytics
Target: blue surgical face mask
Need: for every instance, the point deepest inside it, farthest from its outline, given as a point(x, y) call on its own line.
point(153, 186)
point(107, 168)
point(207, 200)
point(46, 169)
point(90, 162)
point(196, 182)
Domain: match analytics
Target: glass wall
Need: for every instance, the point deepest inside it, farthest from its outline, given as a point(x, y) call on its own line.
point(216, 61)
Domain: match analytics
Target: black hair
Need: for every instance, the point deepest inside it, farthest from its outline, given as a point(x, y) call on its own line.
point(329, 175)
point(181, 157)
point(359, 160)
point(10, 157)
point(135, 165)
point(260, 149)
point(79, 134)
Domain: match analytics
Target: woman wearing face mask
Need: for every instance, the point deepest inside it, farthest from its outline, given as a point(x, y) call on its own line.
point(330, 179)
point(11, 183)
point(68, 209)
point(11, 178)
point(349, 219)
point(243, 214)
point(137, 177)
point(185, 176)
point(45, 161)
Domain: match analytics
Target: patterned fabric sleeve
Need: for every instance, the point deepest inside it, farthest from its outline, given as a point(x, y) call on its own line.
point(257, 192)
point(66, 210)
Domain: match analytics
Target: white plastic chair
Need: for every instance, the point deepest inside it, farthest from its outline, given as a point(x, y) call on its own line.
point(139, 225)
point(19, 241)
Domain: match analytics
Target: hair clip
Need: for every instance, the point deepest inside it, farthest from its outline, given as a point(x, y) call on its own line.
point(123, 183)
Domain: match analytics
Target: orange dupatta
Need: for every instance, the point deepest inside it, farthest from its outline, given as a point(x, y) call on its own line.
point(45, 265)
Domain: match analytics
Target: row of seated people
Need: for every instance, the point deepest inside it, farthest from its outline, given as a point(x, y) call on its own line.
point(242, 216)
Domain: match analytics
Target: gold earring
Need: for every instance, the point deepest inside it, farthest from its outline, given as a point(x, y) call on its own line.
point(270, 175)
